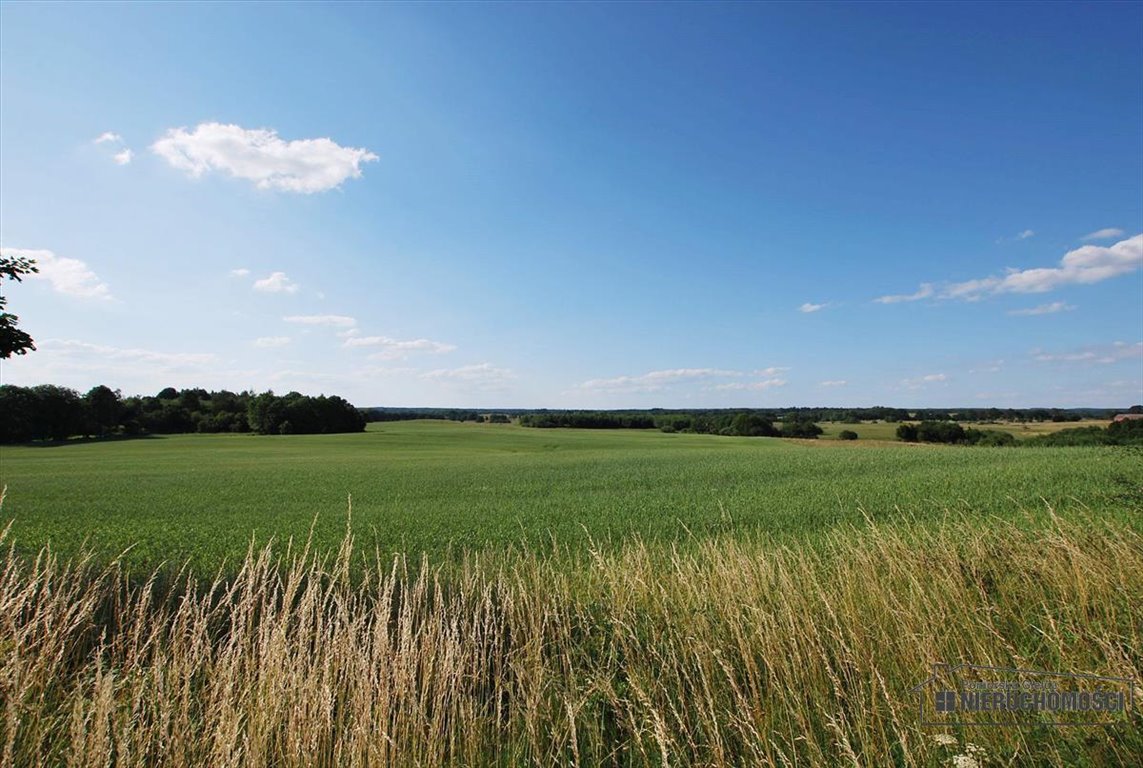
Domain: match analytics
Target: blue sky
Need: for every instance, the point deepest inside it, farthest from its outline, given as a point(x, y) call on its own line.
point(580, 205)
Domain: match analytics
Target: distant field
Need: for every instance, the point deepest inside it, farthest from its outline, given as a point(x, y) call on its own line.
point(883, 430)
point(431, 486)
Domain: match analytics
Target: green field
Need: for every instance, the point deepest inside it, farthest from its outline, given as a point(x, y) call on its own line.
point(884, 430)
point(437, 487)
point(712, 600)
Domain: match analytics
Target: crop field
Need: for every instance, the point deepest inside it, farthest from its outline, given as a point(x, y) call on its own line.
point(512, 596)
point(439, 488)
point(883, 430)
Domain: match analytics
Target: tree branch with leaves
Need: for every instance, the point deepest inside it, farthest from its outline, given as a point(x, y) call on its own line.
point(13, 341)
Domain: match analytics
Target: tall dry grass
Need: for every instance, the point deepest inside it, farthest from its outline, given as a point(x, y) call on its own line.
point(724, 652)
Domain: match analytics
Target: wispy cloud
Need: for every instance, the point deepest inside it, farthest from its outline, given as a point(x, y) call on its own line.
point(924, 292)
point(732, 386)
point(271, 342)
point(335, 321)
point(1099, 354)
point(654, 381)
point(1025, 234)
point(808, 307)
point(1103, 234)
point(240, 272)
point(71, 277)
point(481, 375)
point(921, 381)
point(124, 155)
point(833, 383)
point(991, 366)
point(277, 282)
point(106, 352)
point(1043, 309)
point(260, 156)
point(393, 349)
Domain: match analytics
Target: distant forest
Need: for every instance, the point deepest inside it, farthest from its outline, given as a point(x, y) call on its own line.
point(734, 420)
point(48, 412)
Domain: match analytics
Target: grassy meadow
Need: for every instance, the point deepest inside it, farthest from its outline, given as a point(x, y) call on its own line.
point(506, 596)
point(441, 487)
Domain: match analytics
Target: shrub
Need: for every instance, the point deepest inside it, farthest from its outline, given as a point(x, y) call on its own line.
point(907, 432)
point(847, 434)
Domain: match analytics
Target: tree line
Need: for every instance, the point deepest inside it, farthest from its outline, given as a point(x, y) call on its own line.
point(949, 432)
point(716, 422)
point(48, 412)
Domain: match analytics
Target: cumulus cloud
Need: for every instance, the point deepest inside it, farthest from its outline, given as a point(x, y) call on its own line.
point(808, 307)
point(260, 156)
point(68, 276)
point(108, 137)
point(335, 321)
point(123, 157)
point(1082, 266)
point(833, 383)
point(1102, 354)
point(924, 292)
point(271, 342)
point(393, 349)
point(1025, 234)
point(277, 282)
point(1043, 309)
point(1103, 234)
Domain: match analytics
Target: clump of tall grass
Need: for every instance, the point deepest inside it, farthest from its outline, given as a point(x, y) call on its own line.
point(729, 651)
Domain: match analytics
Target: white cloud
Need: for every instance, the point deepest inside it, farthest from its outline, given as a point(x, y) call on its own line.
point(808, 307)
point(481, 374)
point(1043, 309)
point(124, 155)
point(833, 383)
point(991, 366)
point(240, 272)
point(277, 282)
point(921, 381)
point(1103, 234)
point(772, 370)
point(1103, 354)
point(271, 342)
point(105, 352)
point(259, 155)
point(1082, 266)
point(67, 276)
point(655, 381)
point(924, 292)
point(335, 321)
point(392, 349)
point(749, 385)
point(1025, 234)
